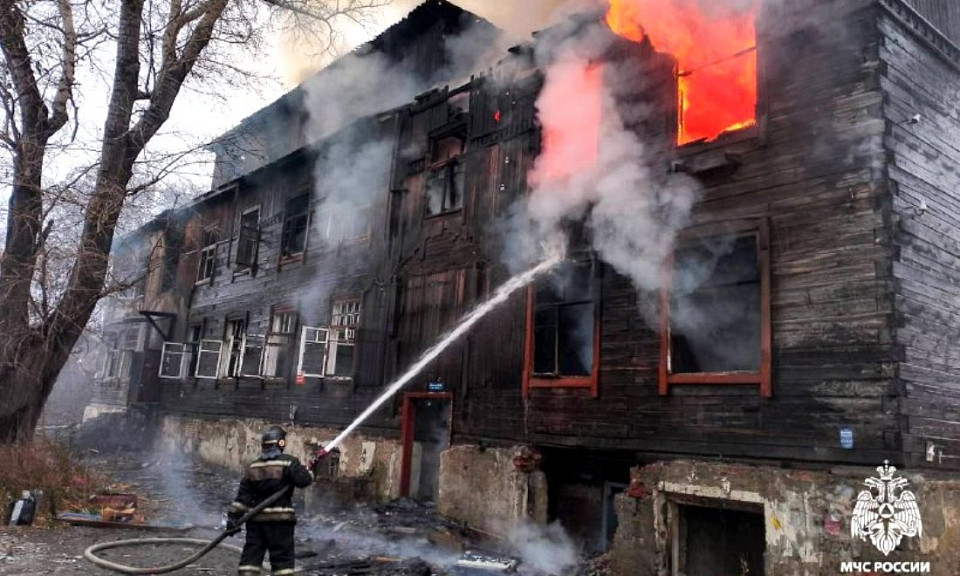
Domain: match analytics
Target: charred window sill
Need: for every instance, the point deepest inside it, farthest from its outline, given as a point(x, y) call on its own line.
point(721, 155)
point(714, 378)
point(292, 259)
point(442, 214)
point(204, 282)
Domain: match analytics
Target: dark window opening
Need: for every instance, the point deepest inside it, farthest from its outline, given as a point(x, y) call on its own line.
point(248, 240)
point(719, 542)
point(296, 216)
point(563, 322)
point(716, 322)
point(715, 307)
point(445, 189)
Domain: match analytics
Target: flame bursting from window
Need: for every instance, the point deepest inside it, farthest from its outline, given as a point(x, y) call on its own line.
point(715, 47)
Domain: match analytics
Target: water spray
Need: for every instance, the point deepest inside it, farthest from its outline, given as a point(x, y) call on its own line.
point(554, 256)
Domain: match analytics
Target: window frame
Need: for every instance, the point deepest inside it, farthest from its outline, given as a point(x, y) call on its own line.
point(762, 377)
point(284, 230)
point(231, 337)
point(184, 351)
point(208, 256)
point(200, 354)
point(271, 342)
point(303, 348)
point(532, 380)
point(247, 267)
point(448, 165)
point(348, 329)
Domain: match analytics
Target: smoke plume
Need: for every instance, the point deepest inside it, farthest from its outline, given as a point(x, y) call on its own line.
point(543, 549)
point(593, 168)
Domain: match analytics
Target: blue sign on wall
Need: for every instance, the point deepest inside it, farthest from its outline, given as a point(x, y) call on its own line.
point(846, 438)
point(435, 386)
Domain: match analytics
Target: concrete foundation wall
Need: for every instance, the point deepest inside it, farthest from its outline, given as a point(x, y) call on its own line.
point(807, 517)
point(483, 489)
point(235, 443)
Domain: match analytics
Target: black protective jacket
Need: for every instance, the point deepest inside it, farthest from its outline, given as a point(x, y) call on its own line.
point(268, 475)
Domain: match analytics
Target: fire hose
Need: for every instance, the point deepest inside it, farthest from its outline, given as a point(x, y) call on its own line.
point(91, 552)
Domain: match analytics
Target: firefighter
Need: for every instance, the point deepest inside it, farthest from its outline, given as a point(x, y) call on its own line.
point(272, 529)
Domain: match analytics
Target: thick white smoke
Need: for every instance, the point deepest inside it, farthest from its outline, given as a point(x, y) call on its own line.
point(594, 169)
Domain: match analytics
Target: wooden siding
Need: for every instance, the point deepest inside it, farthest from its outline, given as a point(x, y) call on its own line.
point(862, 297)
point(924, 170)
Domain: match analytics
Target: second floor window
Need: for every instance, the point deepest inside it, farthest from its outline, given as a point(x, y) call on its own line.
point(444, 191)
point(208, 254)
point(295, 222)
point(248, 240)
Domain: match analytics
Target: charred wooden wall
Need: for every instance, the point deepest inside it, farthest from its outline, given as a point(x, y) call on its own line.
point(921, 89)
point(327, 269)
point(813, 168)
point(861, 291)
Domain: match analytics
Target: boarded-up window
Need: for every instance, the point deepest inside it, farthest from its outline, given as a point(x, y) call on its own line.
point(248, 241)
point(208, 358)
point(173, 359)
point(313, 351)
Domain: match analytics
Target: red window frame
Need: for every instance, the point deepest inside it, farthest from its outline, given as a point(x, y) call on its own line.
point(762, 376)
point(530, 380)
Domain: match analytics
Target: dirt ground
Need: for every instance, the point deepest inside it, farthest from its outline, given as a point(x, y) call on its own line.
point(398, 539)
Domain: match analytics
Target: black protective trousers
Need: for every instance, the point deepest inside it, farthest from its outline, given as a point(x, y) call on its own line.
point(273, 537)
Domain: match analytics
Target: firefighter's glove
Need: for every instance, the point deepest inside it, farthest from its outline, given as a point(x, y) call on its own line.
point(315, 461)
point(233, 523)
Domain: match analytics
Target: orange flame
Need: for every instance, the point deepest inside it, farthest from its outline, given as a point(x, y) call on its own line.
point(716, 56)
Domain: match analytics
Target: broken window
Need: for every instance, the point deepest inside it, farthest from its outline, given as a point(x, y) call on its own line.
point(716, 316)
point(296, 218)
point(173, 360)
point(277, 352)
point(208, 254)
point(252, 356)
point(234, 336)
point(248, 240)
point(208, 358)
point(313, 351)
point(445, 189)
point(561, 328)
point(445, 180)
point(343, 333)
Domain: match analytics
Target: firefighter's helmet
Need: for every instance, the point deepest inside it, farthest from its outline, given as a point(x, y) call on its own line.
point(273, 437)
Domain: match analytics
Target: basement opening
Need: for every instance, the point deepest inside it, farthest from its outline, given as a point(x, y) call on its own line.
point(581, 488)
point(712, 541)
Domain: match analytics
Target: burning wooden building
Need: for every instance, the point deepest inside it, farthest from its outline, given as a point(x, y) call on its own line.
point(778, 322)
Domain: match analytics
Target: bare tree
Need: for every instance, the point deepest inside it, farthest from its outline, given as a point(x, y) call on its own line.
point(155, 47)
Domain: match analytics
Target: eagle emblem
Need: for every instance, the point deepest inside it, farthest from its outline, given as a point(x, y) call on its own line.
point(886, 512)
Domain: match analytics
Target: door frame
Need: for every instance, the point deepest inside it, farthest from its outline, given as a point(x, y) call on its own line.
point(408, 416)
